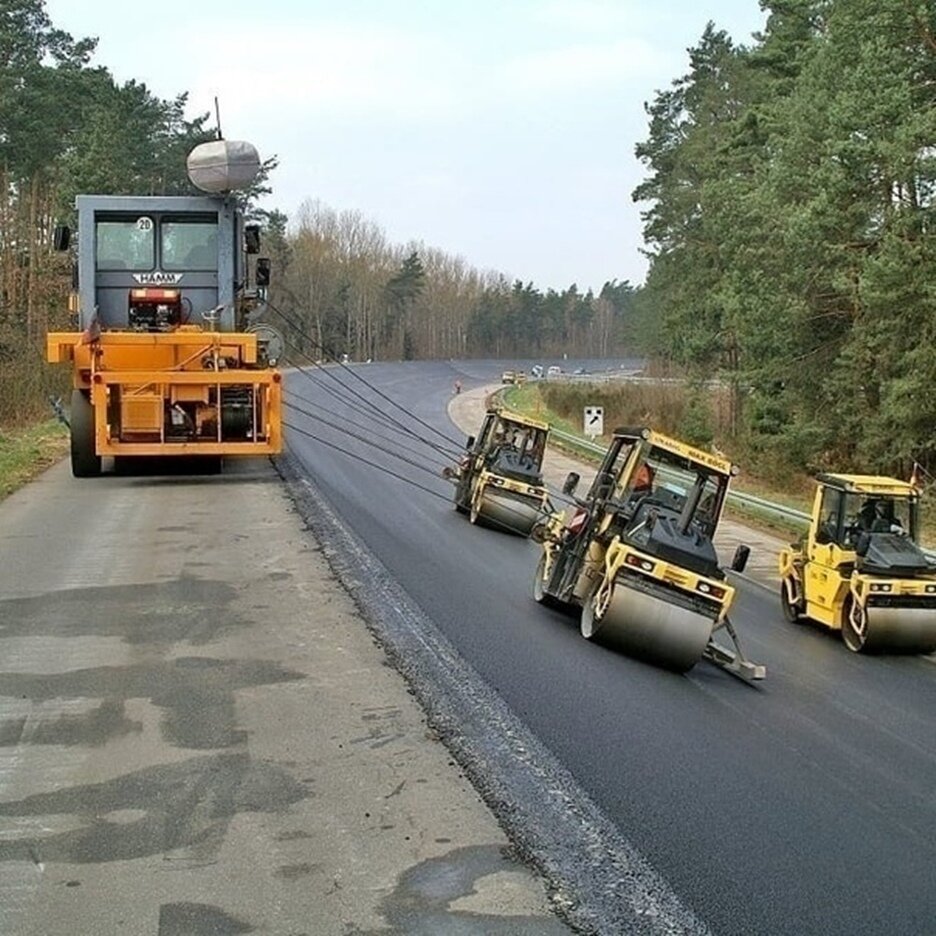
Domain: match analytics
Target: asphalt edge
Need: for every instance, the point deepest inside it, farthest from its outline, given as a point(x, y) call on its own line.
point(596, 880)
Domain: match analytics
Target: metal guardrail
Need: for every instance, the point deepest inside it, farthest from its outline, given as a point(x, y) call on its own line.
point(624, 376)
point(737, 497)
point(780, 511)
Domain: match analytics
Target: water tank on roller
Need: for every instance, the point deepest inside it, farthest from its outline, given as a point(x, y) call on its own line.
point(223, 165)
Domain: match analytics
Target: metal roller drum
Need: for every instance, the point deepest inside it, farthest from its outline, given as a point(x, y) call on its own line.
point(898, 630)
point(513, 513)
point(643, 625)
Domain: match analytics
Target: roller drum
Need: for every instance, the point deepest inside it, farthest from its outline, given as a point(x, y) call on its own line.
point(515, 513)
point(900, 630)
point(644, 625)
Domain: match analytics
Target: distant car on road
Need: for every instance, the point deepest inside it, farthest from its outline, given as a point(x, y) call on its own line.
point(554, 371)
point(536, 370)
point(508, 377)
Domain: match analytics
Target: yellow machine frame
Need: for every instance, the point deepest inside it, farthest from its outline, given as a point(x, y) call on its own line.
point(131, 375)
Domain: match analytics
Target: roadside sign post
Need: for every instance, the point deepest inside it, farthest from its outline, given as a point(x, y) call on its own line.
point(594, 421)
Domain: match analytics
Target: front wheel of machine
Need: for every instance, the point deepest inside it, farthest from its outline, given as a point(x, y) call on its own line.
point(793, 613)
point(854, 625)
point(540, 595)
point(461, 499)
point(208, 465)
point(590, 624)
point(84, 462)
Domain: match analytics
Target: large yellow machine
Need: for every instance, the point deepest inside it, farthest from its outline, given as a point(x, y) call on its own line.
point(859, 569)
point(165, 361)
point(499, 479)
point(637, 557)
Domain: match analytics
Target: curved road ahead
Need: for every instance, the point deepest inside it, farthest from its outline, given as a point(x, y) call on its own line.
point(805, 805)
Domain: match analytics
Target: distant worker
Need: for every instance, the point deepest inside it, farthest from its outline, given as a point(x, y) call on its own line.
point(457, 387)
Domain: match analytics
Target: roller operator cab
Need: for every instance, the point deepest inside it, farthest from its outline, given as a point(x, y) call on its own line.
point(499, 479)
point(164, 357)
point(859, 568)
point(636, 555)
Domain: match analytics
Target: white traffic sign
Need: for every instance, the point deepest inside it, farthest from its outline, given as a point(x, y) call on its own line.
point(594, 420)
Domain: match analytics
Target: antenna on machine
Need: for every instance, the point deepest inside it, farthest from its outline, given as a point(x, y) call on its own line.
point(218, 118)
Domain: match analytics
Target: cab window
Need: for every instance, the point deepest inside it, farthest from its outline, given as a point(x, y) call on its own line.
point(125, 244)
point(829, 513)
point(189, 245)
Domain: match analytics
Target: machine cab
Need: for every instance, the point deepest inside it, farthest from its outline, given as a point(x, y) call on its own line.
point(512, 446)
point(664, 497)
point(153, 263)
point(868, 523)
point(846, 510)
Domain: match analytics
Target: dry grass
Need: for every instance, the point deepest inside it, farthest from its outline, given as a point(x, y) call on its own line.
point(698, 416)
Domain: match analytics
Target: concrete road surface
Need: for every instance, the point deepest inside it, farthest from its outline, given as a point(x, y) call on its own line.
point(198, 735)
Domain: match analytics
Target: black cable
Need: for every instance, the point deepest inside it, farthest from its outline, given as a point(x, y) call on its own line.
point(372, 408)
point(369, 409)
point(448, 452)
point(364, 439)
point(372, 433)
point(330, 354)
point(365, 461)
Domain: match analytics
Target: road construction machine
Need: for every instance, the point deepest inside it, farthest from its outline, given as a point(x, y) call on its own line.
point(165, 359)
point(499, 479)
point(859, 568)
point(636, 556)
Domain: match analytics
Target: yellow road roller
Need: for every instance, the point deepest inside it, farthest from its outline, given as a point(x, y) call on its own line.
point(859, 568)
point(499, 479)
point(635, 555)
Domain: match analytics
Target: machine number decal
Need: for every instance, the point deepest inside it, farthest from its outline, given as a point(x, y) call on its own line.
point(144, 224)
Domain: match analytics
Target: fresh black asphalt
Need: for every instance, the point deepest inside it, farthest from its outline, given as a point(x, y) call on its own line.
point(803, 805)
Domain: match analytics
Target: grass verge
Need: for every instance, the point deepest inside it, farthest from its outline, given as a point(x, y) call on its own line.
point(28, 451)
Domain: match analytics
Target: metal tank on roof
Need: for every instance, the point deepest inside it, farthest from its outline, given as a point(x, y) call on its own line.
point(223, 165)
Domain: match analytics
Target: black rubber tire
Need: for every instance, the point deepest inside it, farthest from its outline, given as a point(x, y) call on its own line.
point(540, 595)
point(84, 462)
point(853, 639)
point(462, 491)
point(588, 626)
point(207, 464)
point(792, 613)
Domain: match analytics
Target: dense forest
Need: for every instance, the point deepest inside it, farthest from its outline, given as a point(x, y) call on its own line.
point(66, 126)
point(789, 205)
point(790, 218)
point(359, 295)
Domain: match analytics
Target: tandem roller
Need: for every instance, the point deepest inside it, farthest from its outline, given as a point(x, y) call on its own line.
point(637, 556)
point(860, 570)
point(499, 479)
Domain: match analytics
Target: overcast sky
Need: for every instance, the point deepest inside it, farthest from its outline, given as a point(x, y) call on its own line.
point(499, 130)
